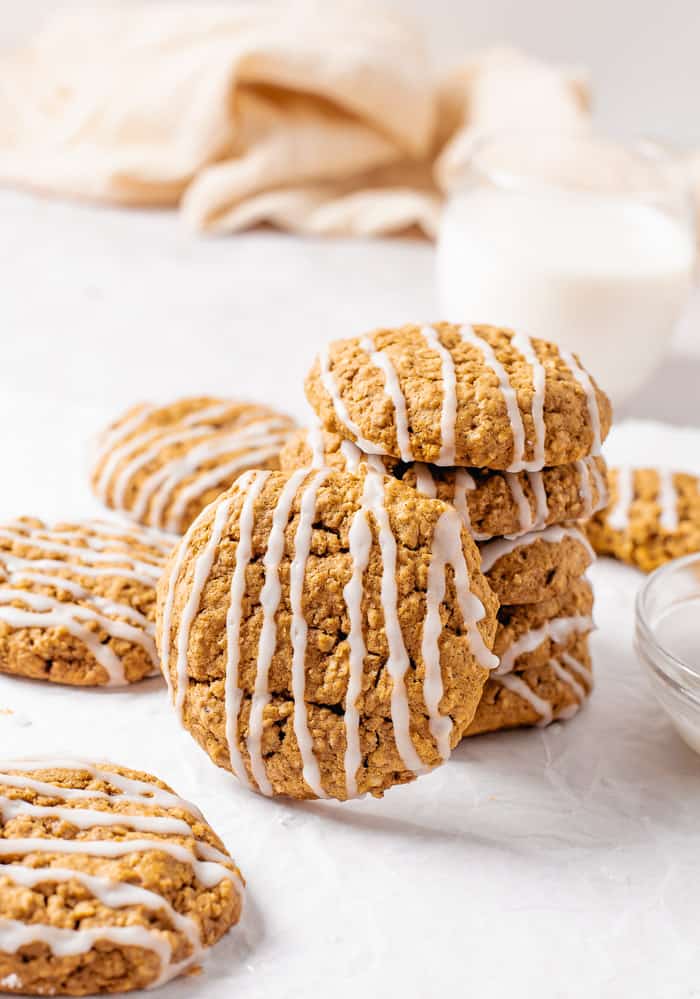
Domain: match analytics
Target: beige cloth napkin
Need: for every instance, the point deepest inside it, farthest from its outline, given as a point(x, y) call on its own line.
point(316, 117)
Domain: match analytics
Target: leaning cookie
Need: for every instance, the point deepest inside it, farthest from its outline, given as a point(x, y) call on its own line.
point(162, 465)
point(537, 695)
point(108, 881)
point(491, 503)
point(480, 397)
point(653, 517)
point(326, 634)
point(536, 566)
point(77, 601)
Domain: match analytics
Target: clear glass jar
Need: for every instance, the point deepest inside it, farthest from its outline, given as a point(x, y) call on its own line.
point(667, 639)
point(572, 238)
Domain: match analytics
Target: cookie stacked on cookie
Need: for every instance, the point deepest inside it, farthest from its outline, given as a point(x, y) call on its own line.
point(508, 430)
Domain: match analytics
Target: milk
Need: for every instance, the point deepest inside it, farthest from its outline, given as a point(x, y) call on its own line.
point(604, 275)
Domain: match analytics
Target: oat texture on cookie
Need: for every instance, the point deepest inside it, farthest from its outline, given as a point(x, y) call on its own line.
point(161, 465)
point(653, 517)
point(326, 633)
point(109, 882)
point(478, 396)
point(77, 601)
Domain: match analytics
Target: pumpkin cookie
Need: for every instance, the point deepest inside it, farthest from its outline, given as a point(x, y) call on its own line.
point(538, 695)
point(653, 517)
point(108, 881)
point(529, 635)
point(536, 566)
point(491, 503)
point(77, 601)
point(459, 395)
point(326, 634)
point(163, 464)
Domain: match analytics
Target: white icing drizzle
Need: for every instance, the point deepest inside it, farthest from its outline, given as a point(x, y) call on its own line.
point(339, 407)
point(526, 520)
point(448, 416)
point(360, 545)
point(585, 491)
point(114, 894)
point(567, 678)
point(447, 550)
point(382, 361)
point(600, 483)
point(398, 662)
point(315, 441)
point(158, 440)
point(464, 483)
point(110, 438)
point(353, 456)
point(15, 563)
point(524, 345)
point(576, 667)
point(37, 539)
point(541, 506)
point(668, 501)
point(495, 550)
point(202, 569)
point(233, 693)
point(469, 335)
point(518, 686)
point(619, 513)
point(299, 633)
point(425, 482)
point(583, 378)
point(269, 601)
point(558, 630)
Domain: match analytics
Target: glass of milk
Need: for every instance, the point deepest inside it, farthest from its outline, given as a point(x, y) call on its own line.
point(572, 238)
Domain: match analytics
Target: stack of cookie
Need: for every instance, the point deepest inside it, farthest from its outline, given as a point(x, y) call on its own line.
point(508, 430)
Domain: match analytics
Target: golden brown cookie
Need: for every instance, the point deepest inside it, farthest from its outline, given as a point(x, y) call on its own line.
point(162, 465)
point(77, 601)
point(459, 395)
point(529, 635)
point(653, 517)
point(538, 695)
point(536, 566)
point(491, 503)
point(324, 633)
point(108, 881)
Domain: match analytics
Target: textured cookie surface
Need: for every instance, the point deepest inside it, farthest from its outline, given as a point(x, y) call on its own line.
point(163, 464)
point(491, 503)
point(459, 395)
point(653, 517)
point(108, 881)
point(324, 633)
point(77, 601)
point(530, 634)
point(536, 566)
point(537, 695)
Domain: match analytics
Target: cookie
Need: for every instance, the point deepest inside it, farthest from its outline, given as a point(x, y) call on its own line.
point(108, 881)
point(536, 566)
point(77, 601)
point(653, 517)
point(162, 465)
point(530, 634)
point(491, 503)
point(459, 395)
point(538, 695)
point(326, 634)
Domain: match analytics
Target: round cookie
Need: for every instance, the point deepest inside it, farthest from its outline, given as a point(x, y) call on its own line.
point(536, 566)
point(492, 503)
point(653, 517)
point(162, 465)
point(108, 881)
point(479, 396)
point(529, 635)
point(77, 601)
point(326, 634)
point(538, 695)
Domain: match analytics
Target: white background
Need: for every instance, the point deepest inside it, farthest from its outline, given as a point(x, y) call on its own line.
point(643, 55)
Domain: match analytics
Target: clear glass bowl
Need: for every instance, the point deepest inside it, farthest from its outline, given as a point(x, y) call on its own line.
point(667, 640)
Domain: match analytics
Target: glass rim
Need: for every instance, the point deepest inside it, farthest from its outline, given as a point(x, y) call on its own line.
point(646, 632)
point(644, 151)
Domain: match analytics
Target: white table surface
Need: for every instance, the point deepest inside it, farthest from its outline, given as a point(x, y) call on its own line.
point(561, 862)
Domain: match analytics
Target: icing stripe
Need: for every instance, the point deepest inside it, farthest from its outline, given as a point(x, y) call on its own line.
point(518, 686)
point(425, 483)
point(668, 501)
point(557, 629)
point(339, 407)
point(382, 361)
point(495, 550)
point(584, 380)
point(618, 514)
point(448, 416)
